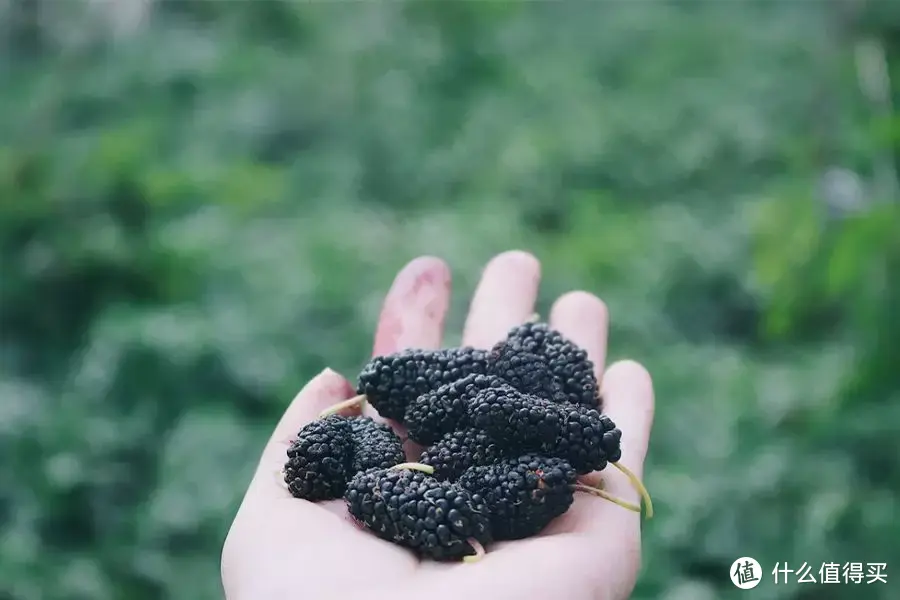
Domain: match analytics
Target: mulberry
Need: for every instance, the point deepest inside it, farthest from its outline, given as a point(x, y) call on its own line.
point(445, 409)
point(522, 494)
point(329, 450)
point(582, 436)
point(393, 381)
point(458, 450)
point(527, 372)
point(407, 506)
point(319, 459)
point(525, 494)
point(568, 364)
point(375, 445)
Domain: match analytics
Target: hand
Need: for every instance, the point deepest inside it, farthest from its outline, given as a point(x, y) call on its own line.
point(281, 548)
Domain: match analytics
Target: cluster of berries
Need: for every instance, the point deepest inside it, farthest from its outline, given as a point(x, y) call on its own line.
point(507, 433)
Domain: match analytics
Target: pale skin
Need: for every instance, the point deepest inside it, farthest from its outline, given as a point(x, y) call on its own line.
point(283, 548)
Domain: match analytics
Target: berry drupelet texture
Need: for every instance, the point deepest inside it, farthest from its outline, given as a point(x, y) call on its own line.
point(526, 371)
point(445, 409)
point(392, 382)
point(329, 450)
point(523, 494)
point(318, 461)
point(517, 421)
point(375, 445)
point(437, 520)
point(458, 450)
point(568, 364)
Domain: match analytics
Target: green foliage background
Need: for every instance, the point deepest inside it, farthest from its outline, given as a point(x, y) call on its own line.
point(202, 205)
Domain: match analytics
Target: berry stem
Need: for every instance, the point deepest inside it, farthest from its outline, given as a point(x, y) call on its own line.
point(415, 467)
point(479, 551)
point(579, 487)
point(354, 401)
point(639, 486)
point(534, 318)
point(600, 485)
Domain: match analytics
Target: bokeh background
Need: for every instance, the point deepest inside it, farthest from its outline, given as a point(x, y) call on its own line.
point(202, 204)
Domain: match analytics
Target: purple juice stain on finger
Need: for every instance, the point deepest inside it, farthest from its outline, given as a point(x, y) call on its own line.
point(415, 303)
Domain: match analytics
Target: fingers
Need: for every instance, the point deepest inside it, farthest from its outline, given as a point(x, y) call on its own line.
point(584, 319)
point(413, 316)
point(325, 390)
point(415, 307)
point(628, 393)
point(505, 297)
point(628, 400)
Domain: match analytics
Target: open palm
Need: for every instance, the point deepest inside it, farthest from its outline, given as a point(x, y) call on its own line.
point(283, 548)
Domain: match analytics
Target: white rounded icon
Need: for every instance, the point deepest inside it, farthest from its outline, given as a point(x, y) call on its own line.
point(746, 573)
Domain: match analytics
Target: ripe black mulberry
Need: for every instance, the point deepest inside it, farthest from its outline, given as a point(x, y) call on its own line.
point(445, 409)
point(375, 445)
point(437, 520)
point(458, 450)
point(526, 371)
point(568, 364)
point(582, 436)
point(319, 459)
point(329, 450)
point(523, 494)
point(393, 381)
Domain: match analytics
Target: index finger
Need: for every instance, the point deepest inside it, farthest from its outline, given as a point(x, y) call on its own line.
point(412, 316)
point(415, 307)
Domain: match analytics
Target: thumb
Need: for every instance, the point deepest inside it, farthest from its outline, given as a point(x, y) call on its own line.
point(325, 390)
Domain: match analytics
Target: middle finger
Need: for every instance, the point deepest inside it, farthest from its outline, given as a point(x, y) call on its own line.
point(505, 297)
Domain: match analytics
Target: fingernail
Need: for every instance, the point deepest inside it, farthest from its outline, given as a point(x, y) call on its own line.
point(334, 382)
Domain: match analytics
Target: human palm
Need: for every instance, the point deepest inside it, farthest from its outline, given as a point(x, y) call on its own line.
point(283, 548)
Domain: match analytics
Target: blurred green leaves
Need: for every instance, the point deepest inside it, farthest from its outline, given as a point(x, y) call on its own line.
point(201, 211)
